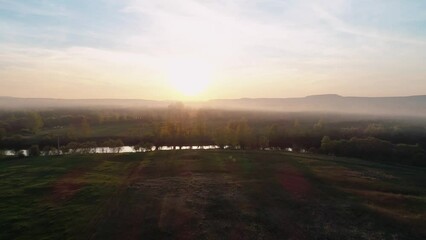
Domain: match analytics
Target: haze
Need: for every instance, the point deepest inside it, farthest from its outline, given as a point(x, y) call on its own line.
point(222, 49)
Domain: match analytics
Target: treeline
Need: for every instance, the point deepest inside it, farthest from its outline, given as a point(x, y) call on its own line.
point(375, 149)
point(179, 126)
point(26, 123)
point(108, 146)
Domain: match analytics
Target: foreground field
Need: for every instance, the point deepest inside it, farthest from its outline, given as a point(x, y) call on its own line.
point(210, 195)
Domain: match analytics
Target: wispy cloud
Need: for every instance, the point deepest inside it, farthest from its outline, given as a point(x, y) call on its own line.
point(340, 25)
point(288, 44)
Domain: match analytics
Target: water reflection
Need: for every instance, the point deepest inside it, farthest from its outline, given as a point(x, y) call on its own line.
point(127, 149)
point(100, 150)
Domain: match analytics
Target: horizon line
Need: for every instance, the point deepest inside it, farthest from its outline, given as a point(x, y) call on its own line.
point(215, 99)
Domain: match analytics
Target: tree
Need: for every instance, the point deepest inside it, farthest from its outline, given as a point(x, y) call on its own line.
point(114, 145)
point(117, 145)
point(34, 151)
point(147, 146)
point(72, 147)
point(220, 137)
point(88, 147)
point(84, 127)
point(326, 144)
point(244, 135)
point(34, 122)
point(263, 142)
point(80, 128)
point(137, 147)
point(274, 135)
point(46, 150)
point(143, 146)
point(169, 132)
point(232, 134)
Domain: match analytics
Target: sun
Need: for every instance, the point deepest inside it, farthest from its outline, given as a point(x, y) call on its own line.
point(189, 77)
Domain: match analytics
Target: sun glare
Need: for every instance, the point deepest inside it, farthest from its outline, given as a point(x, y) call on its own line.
point(189, 77)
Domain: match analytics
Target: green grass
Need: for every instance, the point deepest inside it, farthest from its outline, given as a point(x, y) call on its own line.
point(210, 195)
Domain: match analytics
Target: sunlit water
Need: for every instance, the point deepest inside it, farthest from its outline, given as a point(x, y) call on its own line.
point(127, 149)
point(124, 149)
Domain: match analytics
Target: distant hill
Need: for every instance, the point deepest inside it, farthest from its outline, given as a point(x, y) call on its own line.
point(399, 106)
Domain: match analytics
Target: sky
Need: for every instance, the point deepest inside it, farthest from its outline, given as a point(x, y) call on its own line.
point(210, 49)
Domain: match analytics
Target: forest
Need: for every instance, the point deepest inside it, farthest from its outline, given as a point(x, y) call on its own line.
point(398, 140)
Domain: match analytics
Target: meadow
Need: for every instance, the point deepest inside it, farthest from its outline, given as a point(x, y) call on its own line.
point(210, 194)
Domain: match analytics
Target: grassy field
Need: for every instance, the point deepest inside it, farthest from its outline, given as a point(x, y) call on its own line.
point(210, 195)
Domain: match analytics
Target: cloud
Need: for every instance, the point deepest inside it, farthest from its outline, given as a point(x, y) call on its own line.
point(231, 32)
point(341, 26)
point(248, 42)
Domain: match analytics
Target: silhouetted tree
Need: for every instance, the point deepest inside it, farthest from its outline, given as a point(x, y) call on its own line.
point(263, 142)
point(34, 151)
point(220, 137)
